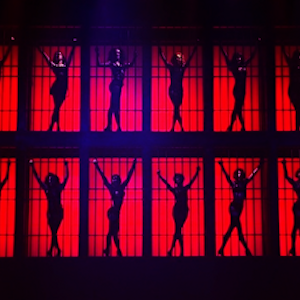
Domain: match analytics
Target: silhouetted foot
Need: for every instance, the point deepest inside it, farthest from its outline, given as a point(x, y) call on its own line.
point(119, 129)
point(49, 253)
point(248, 252)
point(181, 254)
point(243, 129)
point(119, 253)
point(229, 128)
point(172, 129)
point(221, 252)
point(105, 252)
point(292, 251)
point(169, 253)
point(58, 253)
point(107, 129)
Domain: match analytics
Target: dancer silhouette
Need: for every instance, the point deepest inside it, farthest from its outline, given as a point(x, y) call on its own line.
point(117, 192)
point(238, 67)
point(177, 68)
point(2, 184)
point(180, 209)
point(53, 189)
point(294, 87)
point(5, 56)
point(239, 187)
point(60, 66)
point(296, 207)
point(116, 64)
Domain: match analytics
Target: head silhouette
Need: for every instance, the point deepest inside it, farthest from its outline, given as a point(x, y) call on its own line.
point(178, 179)
point(115, 180)
point(297, 174)
point(237, 58)
point(58, 57)
point(116, 54)
point(178, 59)
point(52, 180)
point(239, 174)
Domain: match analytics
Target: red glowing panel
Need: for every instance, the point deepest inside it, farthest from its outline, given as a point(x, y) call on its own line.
point(251, 217)
point(192, 104)
point(42, 103)
point(131, 215)
point(7, 208)
point(131, 101)
point(285, 111)
point(286, 199)
point(223, 91)
point(9, 89)
point(163, 226)
point(39, 234)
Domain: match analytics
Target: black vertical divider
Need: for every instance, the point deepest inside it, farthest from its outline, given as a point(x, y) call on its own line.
point(84, 145)
point(146, 153)
point(272, 151)
point(22, 170)
point(208, 158)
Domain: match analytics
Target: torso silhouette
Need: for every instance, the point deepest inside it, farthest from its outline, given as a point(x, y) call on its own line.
point(61, 83)
point(117, 196)
point(118, 72)
point(176, 89)
point(294, 87)
point(239, 72)
point(53, 195)
point(239, 195)
point(296, 206)
point(181, 198)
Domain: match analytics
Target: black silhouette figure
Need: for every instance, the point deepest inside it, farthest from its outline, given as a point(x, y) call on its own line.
point(294, 87)
point(2, 61)
point(177, 68)
point(238, 67)
point(117, 192)
point(53, 189)
point(296, 207)
point(2, 184)
point(60, 66)
point(180, 209)
point(239, 187)
point(116, 64)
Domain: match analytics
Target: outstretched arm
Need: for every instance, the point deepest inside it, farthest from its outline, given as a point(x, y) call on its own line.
point(251, 176)
point(165, 182)
point(129, 174)
point(289, 179)
point(41, 183)
point(190, 57)
point(66, 175)
point(225, 55)
point(163, 57)
point(287, 58)
point(5, 56)
point(71, 55)
point(128, 65)
point(105, 181)
point(47, 58)
point(226, 174)
point(194, 178)
point(6, 176)
point(99, 64)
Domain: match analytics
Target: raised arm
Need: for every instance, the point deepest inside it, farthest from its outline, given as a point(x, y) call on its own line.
point(129, 174)
point(6, 176)
point(41, 183)
point(5, 56)
point(71, 55)
point(225, 55)
point(163, 57)
point(226, 174)
point(286, 56)
point(251, 176)
point(47, 58)
point(128, 65)
point(187, 64)
point(194, 178)
point(165, 182)
point(105, 181)
point(99, 64)
point(289, 179)
point(66, 175)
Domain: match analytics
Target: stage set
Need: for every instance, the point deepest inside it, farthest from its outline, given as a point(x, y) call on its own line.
point(150, 152)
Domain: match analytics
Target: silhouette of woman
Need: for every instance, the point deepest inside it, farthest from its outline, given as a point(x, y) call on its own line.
point(59, 66)
point(296, 207)
point(176, 68)
point(238, 67)
point(2, 61)
point(117, 192)
point(180, 209)
point(294, 87)
point(116, 64)
point(239, 187)
point(2, 184)
point(53, 189)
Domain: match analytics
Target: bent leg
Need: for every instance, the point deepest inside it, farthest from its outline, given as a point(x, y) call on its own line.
point(242, 239)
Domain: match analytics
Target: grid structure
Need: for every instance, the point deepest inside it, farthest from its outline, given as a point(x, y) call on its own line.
point(285, 111)
point(8, 88)
point(224, 82)
point(131, 102)
point(192, 103)
point(39, 234)
point(286, 200)
point(7, 208)
point(251, 217)
point(163, 202)
point(131, 214)
point(42, 103)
